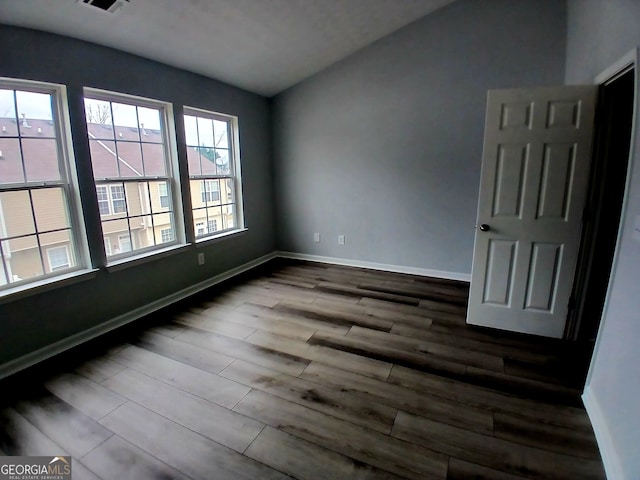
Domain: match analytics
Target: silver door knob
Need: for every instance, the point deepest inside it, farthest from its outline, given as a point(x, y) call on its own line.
point(484, 227)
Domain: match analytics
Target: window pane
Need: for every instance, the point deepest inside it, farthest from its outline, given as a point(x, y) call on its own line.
point(50, 209)
point(150, 126)
point(99, 121)
point(222, 162)
point(41, 159)
point(10, 161)
point(191, 131)
point(154, 161)
point(220, 129)
point(25, 262)
point(208, 161)
point(205, 133)
point(34, 114)
point(8, 125)
point(58, 244)
point(103, 158)
point(193, 161)
point(159, 196)
point(199, 217)
point(162, 222)
point(130, 159)
point(215, 214)
point(117, 226)
point(15, 211)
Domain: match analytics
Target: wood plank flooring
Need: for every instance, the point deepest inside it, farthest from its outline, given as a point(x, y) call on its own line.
point(309, 371)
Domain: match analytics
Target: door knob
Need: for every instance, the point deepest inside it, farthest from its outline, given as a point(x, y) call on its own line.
point(484, 227)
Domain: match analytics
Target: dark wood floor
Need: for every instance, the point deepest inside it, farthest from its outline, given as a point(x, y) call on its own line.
point(313, 372)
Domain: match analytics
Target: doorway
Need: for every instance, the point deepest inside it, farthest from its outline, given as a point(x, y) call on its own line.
point(614, 124)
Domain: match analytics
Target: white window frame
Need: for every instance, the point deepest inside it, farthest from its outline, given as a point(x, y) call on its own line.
point(171, 180)
point(234, 176)
point(78, 252)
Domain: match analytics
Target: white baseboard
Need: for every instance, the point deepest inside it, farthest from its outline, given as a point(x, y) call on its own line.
point(423, 272)
point(610, 459)
point(60, 346)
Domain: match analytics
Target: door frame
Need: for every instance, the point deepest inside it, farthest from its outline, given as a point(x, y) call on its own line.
point(632, 58)
point(584, 272)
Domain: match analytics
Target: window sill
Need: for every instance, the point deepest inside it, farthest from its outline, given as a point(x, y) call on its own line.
point(205, 242)
point(134, 260)
point(46, 284)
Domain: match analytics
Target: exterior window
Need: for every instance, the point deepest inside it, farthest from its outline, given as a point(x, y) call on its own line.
point(133, 171)
point(163, 195)
point(167, 235)
point(41, 233)
point(210, 191)
point(214, 172)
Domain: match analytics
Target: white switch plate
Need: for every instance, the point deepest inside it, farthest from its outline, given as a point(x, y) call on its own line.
point(340, 239)
point(201, 258)
point(636, 229)
point(316, 237)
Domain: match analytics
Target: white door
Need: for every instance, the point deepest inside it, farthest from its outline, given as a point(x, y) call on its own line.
point(535, 169)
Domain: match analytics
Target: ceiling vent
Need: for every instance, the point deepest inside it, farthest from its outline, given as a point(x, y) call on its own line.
point(111, 6)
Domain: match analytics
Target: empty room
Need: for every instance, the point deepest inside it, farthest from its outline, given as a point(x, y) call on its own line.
point(337, 239)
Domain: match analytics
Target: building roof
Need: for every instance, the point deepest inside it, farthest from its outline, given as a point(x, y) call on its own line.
point(116, 152)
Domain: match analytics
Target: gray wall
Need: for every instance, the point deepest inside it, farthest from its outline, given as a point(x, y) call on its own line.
point(385, 146)
point(599, 33)
point(40, 320)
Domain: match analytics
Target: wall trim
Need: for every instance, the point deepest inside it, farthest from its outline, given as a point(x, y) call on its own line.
point(30, 359)
point(423, 272)
point(612, 466)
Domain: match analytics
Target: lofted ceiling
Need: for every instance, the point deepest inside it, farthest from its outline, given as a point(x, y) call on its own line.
point(263, 46)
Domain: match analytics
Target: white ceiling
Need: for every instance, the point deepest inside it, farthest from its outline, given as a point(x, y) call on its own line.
point(264, 46)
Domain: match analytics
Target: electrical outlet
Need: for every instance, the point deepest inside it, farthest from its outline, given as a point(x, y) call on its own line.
point(340, 239)
point(201, 258)
point(316, 237)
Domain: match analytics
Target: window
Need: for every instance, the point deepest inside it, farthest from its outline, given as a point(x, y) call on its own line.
point(167, 235)
point(41, 233)
point(111, 199)
point(214, 172)
point(58, 258)
point(133, 167)
point(210, 191)
point(163, 195)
